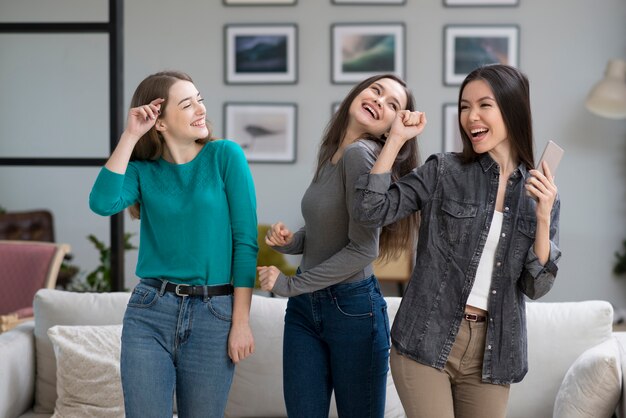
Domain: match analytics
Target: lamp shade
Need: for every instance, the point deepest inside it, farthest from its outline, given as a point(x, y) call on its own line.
point(608, 97)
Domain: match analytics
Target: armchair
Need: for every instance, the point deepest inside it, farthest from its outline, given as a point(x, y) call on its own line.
point(25, 267)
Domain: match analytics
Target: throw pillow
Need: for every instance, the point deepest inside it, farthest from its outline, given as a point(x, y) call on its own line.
point(59, 307)
point(592, 386)
point(88, 371)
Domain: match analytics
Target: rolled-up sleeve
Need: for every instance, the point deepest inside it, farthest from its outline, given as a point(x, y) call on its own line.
point(538, 279)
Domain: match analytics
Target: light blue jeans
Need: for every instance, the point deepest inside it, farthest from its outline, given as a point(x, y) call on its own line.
point(175, 344)
point(337, 339)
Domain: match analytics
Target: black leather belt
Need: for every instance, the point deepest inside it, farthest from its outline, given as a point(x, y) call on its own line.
point(191, 290)
point(474, 318)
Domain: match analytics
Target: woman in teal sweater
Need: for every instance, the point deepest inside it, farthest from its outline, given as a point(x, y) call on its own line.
point(186, 324)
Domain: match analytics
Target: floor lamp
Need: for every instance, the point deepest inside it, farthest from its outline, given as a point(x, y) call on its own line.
point(608, 97)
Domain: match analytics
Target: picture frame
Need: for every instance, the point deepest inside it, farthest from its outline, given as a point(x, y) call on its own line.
point(369, 2)
point(361, 50)
point(451, 135)
point(265, 131)
point(480, 3)
point(259, 2)
point(260, 54)
point(467, 47)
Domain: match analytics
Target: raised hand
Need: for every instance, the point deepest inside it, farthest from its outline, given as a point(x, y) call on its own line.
point(278, 235)
point(142, 118)
point(407, 125)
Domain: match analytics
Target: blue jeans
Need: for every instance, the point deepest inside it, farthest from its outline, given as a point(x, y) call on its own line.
point(175, 344)
point(337, 339)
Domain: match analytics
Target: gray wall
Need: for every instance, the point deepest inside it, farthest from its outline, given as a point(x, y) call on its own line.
point(54, 103)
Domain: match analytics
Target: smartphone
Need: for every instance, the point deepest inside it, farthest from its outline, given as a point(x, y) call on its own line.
point(552, 155)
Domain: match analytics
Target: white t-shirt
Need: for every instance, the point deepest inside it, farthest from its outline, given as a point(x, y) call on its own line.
point(480, 290)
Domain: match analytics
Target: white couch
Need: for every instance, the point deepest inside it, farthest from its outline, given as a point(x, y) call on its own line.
point(574, 336)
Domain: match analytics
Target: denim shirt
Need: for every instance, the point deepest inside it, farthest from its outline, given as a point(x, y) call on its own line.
point(457, 202)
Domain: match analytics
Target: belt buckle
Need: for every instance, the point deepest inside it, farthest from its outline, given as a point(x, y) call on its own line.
point(471, 317)
point(177, 290)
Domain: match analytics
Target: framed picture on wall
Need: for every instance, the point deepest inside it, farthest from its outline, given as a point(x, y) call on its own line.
point(463, 3)
point(368, 2)
point(469, 47)
point(451, 136)
point(259, 2)
point(261, 54)
point(363, 50)
point(265, 131)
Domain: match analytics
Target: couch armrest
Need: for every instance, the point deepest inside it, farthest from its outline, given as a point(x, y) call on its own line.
point(621, 342)
point(17, 370)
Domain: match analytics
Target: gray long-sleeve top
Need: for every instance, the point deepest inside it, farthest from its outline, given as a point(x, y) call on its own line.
point(334, 248)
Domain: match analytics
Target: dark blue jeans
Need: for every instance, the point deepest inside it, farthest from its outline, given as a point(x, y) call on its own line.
point(337, 339)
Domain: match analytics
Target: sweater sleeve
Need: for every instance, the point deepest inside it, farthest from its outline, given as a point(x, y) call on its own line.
point(113, 192)
point(242, 208)
point(362, 247)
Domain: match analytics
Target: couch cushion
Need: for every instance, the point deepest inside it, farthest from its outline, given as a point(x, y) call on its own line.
point(593, 384)
point(557, 334)
point(257, 389)
point(88, 371)
point(57, 307)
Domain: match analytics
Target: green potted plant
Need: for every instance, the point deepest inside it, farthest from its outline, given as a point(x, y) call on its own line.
point(99, 279)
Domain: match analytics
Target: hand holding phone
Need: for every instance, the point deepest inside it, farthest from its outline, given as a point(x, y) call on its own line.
point(552, 155)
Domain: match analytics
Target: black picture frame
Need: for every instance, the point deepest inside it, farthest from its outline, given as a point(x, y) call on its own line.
point(260, 53)
point(467, 47)
point(361, 50)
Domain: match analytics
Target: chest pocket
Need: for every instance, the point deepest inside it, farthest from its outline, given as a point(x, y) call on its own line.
point(456, 220)
point(525, 237)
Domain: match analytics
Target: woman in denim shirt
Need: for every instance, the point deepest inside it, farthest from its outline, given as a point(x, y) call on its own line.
point(488, 237)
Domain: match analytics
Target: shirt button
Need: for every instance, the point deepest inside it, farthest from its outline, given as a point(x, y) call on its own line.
point(489, 347)
point(510, 182)
point(493, 292)
point(506, 209)
point(503, 235)
point(490, 319)
point(498, 264)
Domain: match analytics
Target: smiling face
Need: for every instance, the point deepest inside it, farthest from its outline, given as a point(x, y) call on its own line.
point(185, 115)
point(373, 110)
point(481, 118)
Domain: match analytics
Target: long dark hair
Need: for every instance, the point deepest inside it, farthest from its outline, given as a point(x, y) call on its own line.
point(150, 145)
point(401, 235)
point(512, 93)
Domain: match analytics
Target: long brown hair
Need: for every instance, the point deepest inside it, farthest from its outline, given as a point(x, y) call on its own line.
point(401, 235)
point(150, 145)
point(511, 90)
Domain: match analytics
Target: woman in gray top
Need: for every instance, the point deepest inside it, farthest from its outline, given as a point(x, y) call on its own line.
point(488, 238)
point(336, 324)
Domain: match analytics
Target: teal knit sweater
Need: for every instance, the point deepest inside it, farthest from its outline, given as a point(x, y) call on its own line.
point(198, 219)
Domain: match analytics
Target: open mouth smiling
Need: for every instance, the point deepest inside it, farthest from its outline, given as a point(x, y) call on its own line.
point(371, 111)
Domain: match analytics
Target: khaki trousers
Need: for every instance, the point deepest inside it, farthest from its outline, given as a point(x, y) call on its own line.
point(455, 392)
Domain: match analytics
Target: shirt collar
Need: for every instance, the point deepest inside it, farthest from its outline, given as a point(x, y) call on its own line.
point(487, 163)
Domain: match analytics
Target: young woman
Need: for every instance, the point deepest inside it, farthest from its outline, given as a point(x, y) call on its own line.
point(336, 324)
point(184, 329)
point(488, 236)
